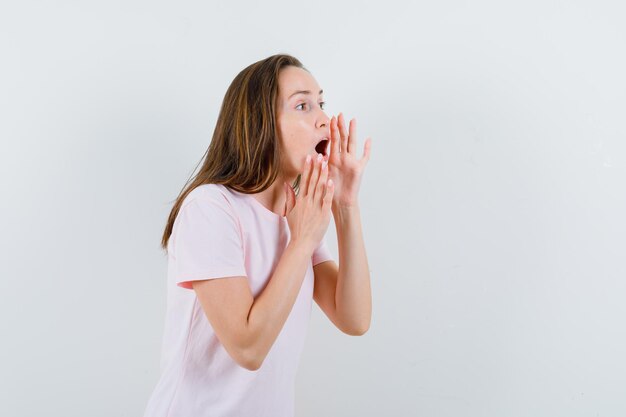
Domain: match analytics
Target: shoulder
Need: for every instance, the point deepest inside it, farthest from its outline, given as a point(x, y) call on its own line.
point(211, 193)
point(205, 217)
point(208, 206)
point(213, 203)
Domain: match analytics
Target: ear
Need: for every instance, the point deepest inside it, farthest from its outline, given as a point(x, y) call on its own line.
point(291, 199)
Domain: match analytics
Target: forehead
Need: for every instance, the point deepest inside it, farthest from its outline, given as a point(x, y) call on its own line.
point(292, 79)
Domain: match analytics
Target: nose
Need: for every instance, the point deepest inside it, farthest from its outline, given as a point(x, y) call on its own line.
point(323, 121)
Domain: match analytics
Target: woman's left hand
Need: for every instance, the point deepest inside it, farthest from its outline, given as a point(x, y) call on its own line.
point(343, 166)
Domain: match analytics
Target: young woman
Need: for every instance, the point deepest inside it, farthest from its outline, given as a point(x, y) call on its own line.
point(246, 249)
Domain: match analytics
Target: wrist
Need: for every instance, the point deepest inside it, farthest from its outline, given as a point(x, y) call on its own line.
point(302, 245)
point(345, 210)
point(346, 218)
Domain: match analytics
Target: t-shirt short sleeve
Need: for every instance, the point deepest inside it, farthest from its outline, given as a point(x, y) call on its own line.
point(321, 253)
point(208, 242)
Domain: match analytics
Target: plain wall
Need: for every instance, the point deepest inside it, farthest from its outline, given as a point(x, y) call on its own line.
point(493, 205)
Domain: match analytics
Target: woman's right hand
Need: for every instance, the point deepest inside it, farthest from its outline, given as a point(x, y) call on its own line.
point(308, 214)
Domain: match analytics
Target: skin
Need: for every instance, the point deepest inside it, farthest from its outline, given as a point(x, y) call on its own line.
point(248, 326)
point(342, 291)
point(302, 122)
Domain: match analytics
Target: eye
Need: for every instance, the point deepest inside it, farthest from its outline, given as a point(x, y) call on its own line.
point(322, 105)
point(301, 104)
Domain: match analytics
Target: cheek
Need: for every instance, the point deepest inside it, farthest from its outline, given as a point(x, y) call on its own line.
point(295, 124)
point(288, 147)
point(293, 136)
point(287, 143)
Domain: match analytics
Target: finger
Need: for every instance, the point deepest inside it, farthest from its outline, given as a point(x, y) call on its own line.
point(342, 126)
point(334, 138)
point(306, 174)
point(342, 133)
point(328, 197)
point(342, 144)
point(290, 202)
point(315, 174)
point(352, 137)
point(319, 191)
point(366, 151)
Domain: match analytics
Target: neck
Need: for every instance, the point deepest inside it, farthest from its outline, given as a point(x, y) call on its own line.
point(274, 197)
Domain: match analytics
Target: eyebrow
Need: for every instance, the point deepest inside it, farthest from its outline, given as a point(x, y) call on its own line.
point(304, 92)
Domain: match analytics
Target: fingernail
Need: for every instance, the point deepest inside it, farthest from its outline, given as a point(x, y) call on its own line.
point(319, 157)
point(308, 159)
point(324, 164)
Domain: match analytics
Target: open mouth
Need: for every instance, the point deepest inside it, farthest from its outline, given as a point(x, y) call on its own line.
point(322, 147)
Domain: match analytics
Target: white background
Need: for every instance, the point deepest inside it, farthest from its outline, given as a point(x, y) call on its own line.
point(493, 205)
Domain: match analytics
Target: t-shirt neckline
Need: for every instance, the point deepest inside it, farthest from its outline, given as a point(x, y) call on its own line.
point(260, 205)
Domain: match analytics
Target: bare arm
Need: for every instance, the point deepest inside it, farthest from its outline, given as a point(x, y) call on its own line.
point(248, 327)
point(343, 293)
point(353, 296)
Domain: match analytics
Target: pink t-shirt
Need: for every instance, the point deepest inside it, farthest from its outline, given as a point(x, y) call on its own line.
point(220, 232)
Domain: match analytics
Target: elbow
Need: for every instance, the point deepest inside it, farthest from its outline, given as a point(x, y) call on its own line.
point(357, 331)
point(250, 353)
point(250, 360)
point(251, 365)
point(353, 327)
